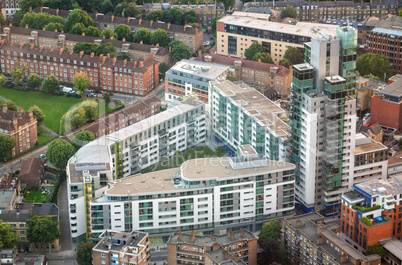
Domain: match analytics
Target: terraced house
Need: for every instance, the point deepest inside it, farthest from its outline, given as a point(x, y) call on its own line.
point(192, 37)
point(110, 74)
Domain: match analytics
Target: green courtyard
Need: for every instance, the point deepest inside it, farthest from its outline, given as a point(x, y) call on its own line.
point(53, 107)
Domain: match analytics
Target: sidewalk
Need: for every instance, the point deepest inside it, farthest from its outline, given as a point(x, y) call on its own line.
point(61, 255)
point(52, 133)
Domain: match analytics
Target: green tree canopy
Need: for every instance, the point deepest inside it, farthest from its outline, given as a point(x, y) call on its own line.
point(105, 49)
point(374, 64)
point(264, 57)
point(26, 4)
point(38, 113)
point(180, 50)
point(39, 20)
point(11, 105)
point(285, 62)
point(91, 109)
point(50, 85)
point(106, 98)
point(2, 77)
point(376, 249)
point(92, 31)
point(190, 16)
point(81, 82)
point(160, 37)
point(195, 25)
point(123, 32)
point(42, 229)
point(17, 18)
point(228, 3)
point(156, 15)
point(62, 4)
point(86, 47)
point(6, 145)
point(289, 11)
point(271, 230)
point(108, 33)
point(376, 78)
point(84, 253)
point(81, 139)
point(294, 55)
point(106, 6)
point(3, 21)
point(78, 16)
point(18, 72)
point(174, 16)
point(59, 152)
point(143, 35)
point(253, 50)
point(127, 10)
point(77, 29)
point(54, 26)
point(8, 238)
point(163, 68)
point(213, 25)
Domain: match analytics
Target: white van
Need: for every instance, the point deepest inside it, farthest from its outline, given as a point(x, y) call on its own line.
point(67, 89)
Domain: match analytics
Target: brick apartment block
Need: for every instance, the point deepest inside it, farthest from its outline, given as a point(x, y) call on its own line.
point(57, 40)
point(192, 37)
point(110, 74)
point(20, 125)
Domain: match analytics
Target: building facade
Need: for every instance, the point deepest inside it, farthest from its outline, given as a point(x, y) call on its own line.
point(121, 248)
point(188, 247)
point(191, 77)
point(21, 126)
point(125, 153)
point(240, 115)
point(10, 6)
point(372, 212)
point(109, 74)
point(261, 76)
point(236, 33)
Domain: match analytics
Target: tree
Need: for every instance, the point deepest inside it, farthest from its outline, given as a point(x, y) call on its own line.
point(264, 56)
point(163, 68)
point(271, 230)
point(81, 82)
point(2, 77)
point(195, 25)
point(91, 109)
point(123, 32)
point(26, 4)
point(108, 33)
point(78, 16)
point(50, 84)
point(39, 20)
point(253, 50)
point(86, 47)
point(374, 64)
point(77, 29)
point(123, 56)
point(285, 62)
point(269, 253)
point(81, 139)
point(42, 229)
point(376, 249)
point(160, 37)
point(77, 118)
point(143, 35)
point(8, 238)
point(294, 55)
point(62, 4)
point(11, 105)
point(17, 18)
point(59, 152)
point(156, 15)
point(180, 50)
point(127, 10)
point(190, 16)
point(213, 25)
point(7, 144)
point(228, 3)
point(18, 72)
point(376, 78)
point(289, 11)
point(54, 26)
point(84, 253)
point(106, 98)
point(220, 151)
point(231, 77)
point(400, 12)
point(106, 6)
point(37, 112)
point(174, 16)
point(105, 49)
point(92, 31)
point(33, 81)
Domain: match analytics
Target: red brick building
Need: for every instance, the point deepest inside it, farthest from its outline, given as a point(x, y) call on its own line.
point(20, 125)
point(132, 77)
point(372, 212)
point(31, 172)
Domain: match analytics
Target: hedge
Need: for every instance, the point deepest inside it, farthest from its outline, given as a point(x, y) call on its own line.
point(367, 221)
point(365, 210)
point(56, 186)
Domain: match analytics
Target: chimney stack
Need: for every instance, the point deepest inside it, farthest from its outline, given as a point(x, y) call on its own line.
point(26, 26)
point(96, 15)
point(168, 26)
point(57, 11)
point(128, 20)
point(140, 21)
point(30, 9)
point(21, 44)
point(141, 42)
point(4, 108)
point(152, 22)
point(124, 39)
point(125, 62)
point(92, 55)
point(114, 61)
point(61, 50)
point(141, 63)
point(81, 53)
point(112, 17)
point(32, 46)
point(41, 48)
point(32, 210)
point(83, 34)
point(71, 52)
point(108, 55)
point(135, 64)
point(55, 30)
point(157, 45)
point(192, 236)
point(185, 26)
point(179, 235)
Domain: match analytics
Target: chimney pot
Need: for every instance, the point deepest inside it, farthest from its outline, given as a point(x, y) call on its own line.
point(141, 42)
point(92, 54)
point(32, 45)
point(125, 62)
point(112, 17)
point(114, 61)
point(124, 39)
point(108, 55)
point(26, 26)
point(81, 53)
point(83, 34)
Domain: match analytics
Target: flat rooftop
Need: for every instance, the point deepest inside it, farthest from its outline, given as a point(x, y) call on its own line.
point(109, 238)
point(303, 29)
point(373, 146)
point(394, 246)
point(261, 16)
point(383, 187)
point(256, 104)
point(209, 71)
point(394, 89)
point(6, 197)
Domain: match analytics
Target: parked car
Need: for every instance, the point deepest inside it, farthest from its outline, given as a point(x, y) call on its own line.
point(67, 89)
point(394, 142)
point(206, 43)
point(42, 156)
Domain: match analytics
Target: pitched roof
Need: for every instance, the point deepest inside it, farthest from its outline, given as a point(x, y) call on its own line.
point(221, 59)
point(32, 165)
point(7, 118)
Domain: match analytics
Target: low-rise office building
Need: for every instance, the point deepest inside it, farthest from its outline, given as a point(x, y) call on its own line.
point(191, 77)
point(261, 76)
point(240, 245)
point(121, 248)
point(126, 152)
point(241, 115)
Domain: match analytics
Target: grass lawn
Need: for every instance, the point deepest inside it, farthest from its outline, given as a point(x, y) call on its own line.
point(41, 130)
point(42, 140)
point(35, 196)
point(52, 106)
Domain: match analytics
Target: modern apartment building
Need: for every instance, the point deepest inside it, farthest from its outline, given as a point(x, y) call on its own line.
point(386, 39)
point(20, 125)
point(240, 115)
point(58, 40)
point(192, 37)
point(121, 248)
point(324, 121)
point(310, 240)
point(372, 211)
point(236, 33)
point(206, 195)
point(240, 245)
point(125, 153)
point(315, 10)
point(259, 75)
point(110, 74)
point(191, 77)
